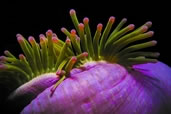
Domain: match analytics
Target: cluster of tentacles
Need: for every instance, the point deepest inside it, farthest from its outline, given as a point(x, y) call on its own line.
point(80, 46)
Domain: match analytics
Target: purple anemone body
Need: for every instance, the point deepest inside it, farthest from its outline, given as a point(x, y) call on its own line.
point(101, 73)
point(104, 88)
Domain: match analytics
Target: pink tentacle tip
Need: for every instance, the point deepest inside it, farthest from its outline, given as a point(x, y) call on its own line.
point(154, 42)
point(86, 20)
point(18, 35)
point(150, 33)
point(85, 54)
point(55, 39)
point(31, 39)
point(42, 36)
point(157, 54)
point(60, 72)
point(74, 59)
point(124, 20)
point(68, 41)
point(49, 33)
point(99, 27)
point(3, 67)
point(6, 52)
point(131, 26)
point(112, 19)
point(42, 39)
point(63, 29)
point(20, 39)
point(81, 26)
point(2, 58)
point(73, 32)
point(149, 23)
point(54, 35)
point(144, 28)
point(72, 12)
point(21, 56)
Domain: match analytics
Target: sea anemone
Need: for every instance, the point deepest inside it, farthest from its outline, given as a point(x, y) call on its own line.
point(104, 73)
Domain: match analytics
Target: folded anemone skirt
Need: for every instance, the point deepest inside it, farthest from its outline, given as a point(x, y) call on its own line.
point(105, 72)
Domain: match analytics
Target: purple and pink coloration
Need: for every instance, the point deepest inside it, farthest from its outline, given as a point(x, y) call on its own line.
point(102, 74)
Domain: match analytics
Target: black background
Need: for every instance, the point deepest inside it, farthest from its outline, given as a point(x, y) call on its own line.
point(32, 19)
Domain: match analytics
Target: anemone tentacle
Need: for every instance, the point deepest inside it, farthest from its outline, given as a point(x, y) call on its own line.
point(53, 54)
